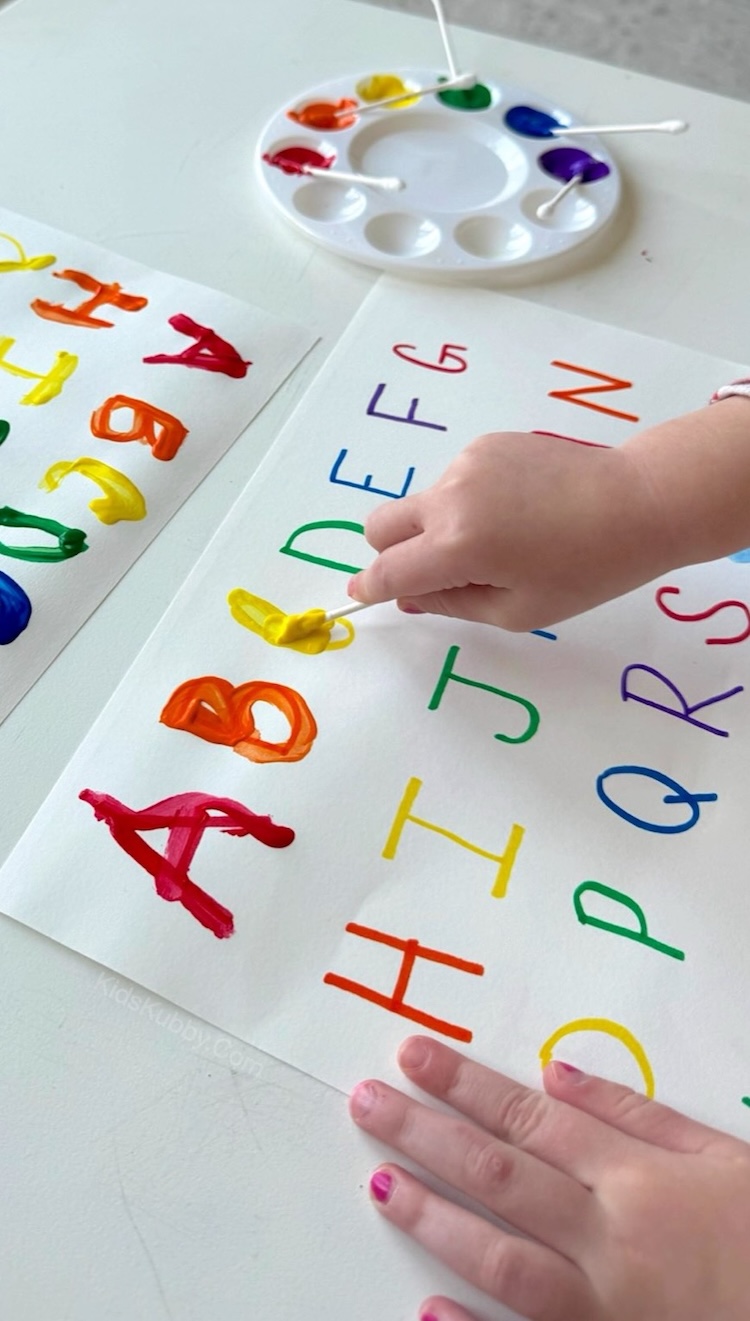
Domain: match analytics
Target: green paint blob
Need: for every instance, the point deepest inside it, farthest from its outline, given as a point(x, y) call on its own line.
point(477, 97)
point(70, 540)
point(4, 429)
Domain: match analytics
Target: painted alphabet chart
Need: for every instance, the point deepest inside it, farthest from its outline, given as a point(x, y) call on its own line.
point(522, 843)
point(116, 382)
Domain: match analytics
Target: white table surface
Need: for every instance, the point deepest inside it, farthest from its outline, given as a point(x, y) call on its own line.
point(152, 1169)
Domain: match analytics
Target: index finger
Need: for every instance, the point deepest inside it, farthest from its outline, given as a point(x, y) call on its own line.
point(414, 567)
point(572, 1141)
point(396, 520)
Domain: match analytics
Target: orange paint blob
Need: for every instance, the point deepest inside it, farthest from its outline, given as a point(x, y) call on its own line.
point(322, 114)
point(213, 709)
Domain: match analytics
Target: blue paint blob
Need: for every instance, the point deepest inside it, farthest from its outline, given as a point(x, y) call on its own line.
point(531, 123)
point(542, 633)
point(15, 609)
point(564, 163)
point(741, 556)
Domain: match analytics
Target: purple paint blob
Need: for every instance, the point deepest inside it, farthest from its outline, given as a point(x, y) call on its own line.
point(564, 163)
point(15, 609)
point(531, 123)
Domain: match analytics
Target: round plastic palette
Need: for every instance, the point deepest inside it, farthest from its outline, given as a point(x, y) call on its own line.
point(475, 164)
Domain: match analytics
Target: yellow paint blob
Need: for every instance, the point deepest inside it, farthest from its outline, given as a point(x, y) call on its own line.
point(121, 499)
point(381, 86)
point(308, 632)
point(21, 262)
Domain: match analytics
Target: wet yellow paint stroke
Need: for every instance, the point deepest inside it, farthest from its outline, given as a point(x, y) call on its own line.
point(22, 262)
point(50, 384)
point(381, 86)
point(121, 499)
point(308, 632)
point(612, 1029)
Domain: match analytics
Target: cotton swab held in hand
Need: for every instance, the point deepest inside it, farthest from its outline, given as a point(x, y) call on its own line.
point(663, 126)
point(412, 93)
point(332, 615)
point(546, 208)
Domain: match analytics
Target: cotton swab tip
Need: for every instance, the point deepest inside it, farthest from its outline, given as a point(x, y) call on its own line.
point(546, 208)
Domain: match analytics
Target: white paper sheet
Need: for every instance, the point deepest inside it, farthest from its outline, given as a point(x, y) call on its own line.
point(60, 418)
point(599, 998)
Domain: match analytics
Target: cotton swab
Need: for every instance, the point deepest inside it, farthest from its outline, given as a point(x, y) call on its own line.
point(445, 37)
point(548, 207)
point(663, 126)
point(389, 183)
point(461, 80)
point(351, 609)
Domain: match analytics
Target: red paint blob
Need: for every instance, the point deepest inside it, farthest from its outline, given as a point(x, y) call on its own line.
point(210, 352)
point(292, 160)
point(186, 818)
point(322, 115)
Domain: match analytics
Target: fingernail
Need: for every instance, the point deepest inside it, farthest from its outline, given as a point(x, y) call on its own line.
point(567, 1073)
point(414, 1053)
point(351, 587)
point(381, 1185)
point(408, 609)
point(428, 1316)
point(362, 1100)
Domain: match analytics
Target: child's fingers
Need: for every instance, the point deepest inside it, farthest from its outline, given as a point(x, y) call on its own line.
point(532, 1280)
point(407, 568)
point(522, 1191)
point(630, 1112)
point(396, 520)
point(572, 1141)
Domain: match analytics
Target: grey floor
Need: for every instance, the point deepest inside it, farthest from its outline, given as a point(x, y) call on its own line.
point(704, 43)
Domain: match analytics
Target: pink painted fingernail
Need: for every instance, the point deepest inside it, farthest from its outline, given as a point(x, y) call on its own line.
point(408, 609)
point(381, 1185)
point(428, 1316)
point(567, 1072)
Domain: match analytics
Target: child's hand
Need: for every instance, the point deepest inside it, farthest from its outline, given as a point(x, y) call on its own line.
point(521, 531)
point(631, 1211)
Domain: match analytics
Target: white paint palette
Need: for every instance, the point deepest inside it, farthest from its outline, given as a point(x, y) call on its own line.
point(475, 164)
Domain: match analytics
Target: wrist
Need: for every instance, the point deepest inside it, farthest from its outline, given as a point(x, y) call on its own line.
point(697, 470)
